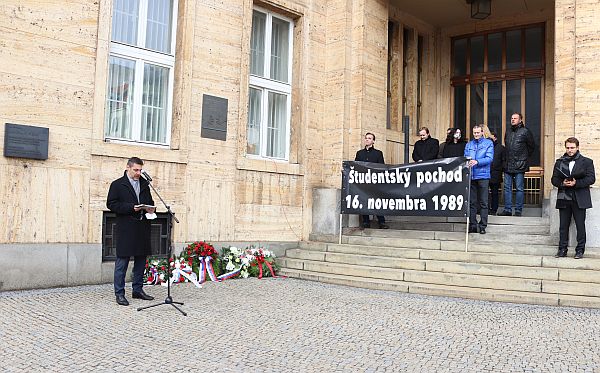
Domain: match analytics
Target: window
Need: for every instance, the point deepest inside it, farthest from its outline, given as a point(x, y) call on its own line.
point(270, 93)
point(159, 236)
point(496, 74)
point(140, 71)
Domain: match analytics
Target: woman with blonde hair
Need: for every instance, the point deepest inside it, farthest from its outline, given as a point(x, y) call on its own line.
point(486, 131)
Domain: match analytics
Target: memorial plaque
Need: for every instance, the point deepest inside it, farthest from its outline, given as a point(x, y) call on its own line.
point(25, 141)
point(214, 117)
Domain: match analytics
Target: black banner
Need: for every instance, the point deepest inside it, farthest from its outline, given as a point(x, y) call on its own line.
point(433, 188)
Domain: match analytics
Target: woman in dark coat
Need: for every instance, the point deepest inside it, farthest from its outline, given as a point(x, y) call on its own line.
point(455, 144)
point(133, 228)
point(496, 173)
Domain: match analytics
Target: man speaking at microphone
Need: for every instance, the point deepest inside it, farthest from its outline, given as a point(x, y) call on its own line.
point(129, 197)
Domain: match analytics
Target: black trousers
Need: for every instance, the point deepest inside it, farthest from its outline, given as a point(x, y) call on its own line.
point(479, 202)
point(366, 219)
point(121, 264)
point(494, 197)
point(571, 210)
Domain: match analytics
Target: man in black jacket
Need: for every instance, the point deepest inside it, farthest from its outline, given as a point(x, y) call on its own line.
point(572, 175)
point(125, 197)
point(427, 148)
point(370, 154)
point(519, 145)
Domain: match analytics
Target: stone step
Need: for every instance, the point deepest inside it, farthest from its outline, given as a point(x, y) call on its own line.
point(590, 264)
point(475, 245)
point(493, 235)
point(492, 219)
point(418, 276)
point(462, 227)
point(519, 271)
point(446, 290)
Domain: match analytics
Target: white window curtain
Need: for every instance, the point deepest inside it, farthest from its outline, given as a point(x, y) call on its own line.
point(279, 50)
point(254, 120)
point(257, 44)
point(154, 103)
point(158, 31)
point(125, 21)
point(276, 126)
point(119, 107)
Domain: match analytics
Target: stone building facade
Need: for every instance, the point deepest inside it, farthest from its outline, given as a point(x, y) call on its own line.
point(242, 108)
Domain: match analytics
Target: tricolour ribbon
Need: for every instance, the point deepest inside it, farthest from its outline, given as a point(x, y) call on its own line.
point(153, 279)
point(228, 275)
point(206, 266)
point(185, 272)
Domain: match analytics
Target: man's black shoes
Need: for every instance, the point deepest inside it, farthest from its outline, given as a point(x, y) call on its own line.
point(383, 226)
point(122, 301)
point(472, 229)
point(505, 213)
point(141, 295)
point(481, 230)
point(560, 253)
point(578, 255)
point(518, 213)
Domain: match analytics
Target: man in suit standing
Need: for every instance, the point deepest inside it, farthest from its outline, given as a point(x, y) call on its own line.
point(125, 196)
point(370, 154)
point(572, 175)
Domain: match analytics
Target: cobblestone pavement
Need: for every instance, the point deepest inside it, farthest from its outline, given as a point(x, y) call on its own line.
point(288, 325)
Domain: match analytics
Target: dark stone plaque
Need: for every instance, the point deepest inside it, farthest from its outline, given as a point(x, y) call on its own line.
point(25, 141)
point(214, 117)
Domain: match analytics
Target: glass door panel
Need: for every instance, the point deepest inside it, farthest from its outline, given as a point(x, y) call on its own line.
point(533, 115)
point(494, 120)
point(476, 112)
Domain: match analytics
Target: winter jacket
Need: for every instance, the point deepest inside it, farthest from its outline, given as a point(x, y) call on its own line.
point(497, 163)
point(426, 150)
point(452, 149)
point(133, 229)
point(519, 144)
point(584, 174)
point(482, 151)
point(369, 155)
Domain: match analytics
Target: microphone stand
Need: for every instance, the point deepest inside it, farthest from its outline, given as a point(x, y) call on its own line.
point(168, 299)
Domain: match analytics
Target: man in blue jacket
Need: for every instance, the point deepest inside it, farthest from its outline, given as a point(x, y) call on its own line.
point(480, 152)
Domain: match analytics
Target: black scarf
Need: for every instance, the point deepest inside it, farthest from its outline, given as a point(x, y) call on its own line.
point(564, 163)
point(566, 194)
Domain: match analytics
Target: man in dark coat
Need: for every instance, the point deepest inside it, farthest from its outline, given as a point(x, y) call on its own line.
point(519, 144)
point(572, 175)
point(427, 148)
point(125, 197)
point(370, 154)
point(496, 173)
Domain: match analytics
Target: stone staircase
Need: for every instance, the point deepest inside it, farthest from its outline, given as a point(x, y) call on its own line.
point(513, 262)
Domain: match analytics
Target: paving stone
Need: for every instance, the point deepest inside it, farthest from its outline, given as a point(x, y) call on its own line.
point(290, 325)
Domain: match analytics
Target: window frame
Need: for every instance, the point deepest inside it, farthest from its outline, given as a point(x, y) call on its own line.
point(141, 56)
point(267, 85)
point(159, 246)
point(502, 75)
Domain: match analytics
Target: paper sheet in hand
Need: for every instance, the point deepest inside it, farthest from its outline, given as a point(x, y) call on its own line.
point(145, 207)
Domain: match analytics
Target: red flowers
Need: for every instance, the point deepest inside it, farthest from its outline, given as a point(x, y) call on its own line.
point(199, 249)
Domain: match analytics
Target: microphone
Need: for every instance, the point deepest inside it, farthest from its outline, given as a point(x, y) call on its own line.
point(146, 176)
